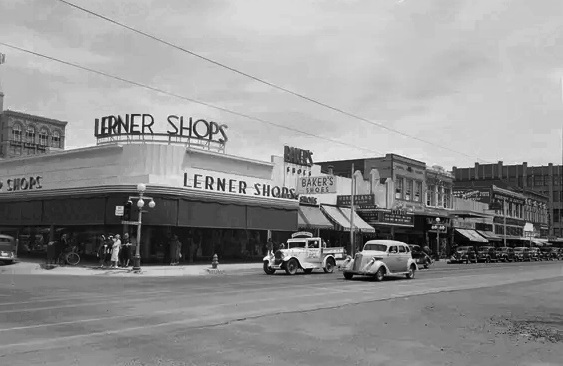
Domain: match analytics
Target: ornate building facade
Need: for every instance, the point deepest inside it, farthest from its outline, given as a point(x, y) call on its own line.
point(24, 134)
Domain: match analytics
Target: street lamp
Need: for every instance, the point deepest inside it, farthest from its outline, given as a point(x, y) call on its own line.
point(141, 188)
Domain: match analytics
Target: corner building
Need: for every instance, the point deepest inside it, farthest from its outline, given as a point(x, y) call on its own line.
point(214, 202)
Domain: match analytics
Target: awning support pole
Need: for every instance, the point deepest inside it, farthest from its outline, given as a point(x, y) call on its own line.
point(352, 229)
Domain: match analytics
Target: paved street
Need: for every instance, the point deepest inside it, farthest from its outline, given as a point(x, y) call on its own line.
point(480, 314)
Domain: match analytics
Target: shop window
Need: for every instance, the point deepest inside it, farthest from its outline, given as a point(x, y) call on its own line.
point(30, 134)
point(16, 133)
point(43, 138)
point(399, 188)
point(417, 191)
point(408, 190)
point(56, 139)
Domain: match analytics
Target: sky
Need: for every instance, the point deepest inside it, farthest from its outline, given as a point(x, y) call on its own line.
point(482, 78)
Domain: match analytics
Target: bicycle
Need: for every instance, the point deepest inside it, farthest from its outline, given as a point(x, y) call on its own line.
point(69, 257)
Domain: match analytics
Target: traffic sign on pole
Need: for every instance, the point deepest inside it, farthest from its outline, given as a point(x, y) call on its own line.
point(119, 210)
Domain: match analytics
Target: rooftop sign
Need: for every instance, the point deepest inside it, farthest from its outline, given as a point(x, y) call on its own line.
point(141, 127)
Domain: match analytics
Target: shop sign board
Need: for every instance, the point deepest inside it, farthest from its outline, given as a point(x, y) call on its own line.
point(474, 194)
point(387, 217)
point(119, 210)
point(212, 181)
point(359, 200)
point(316, 185)
point(21, 184)
point(294, 155)
point(142, 124)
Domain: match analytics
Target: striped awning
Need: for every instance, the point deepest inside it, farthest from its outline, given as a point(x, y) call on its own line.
point(472, 235)
point(311, 217)
point(489, 235)
point(340, 217)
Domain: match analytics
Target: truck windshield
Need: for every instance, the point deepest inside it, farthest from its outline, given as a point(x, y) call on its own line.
point(296, 244)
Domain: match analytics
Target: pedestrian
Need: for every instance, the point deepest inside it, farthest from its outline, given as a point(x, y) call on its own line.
point(270, 247)
point(109, 246)
point(126, 250)
point(102, 250)
point(175, 247)
point(115, 251)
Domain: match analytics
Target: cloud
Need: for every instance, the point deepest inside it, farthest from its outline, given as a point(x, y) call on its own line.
point(481, 78)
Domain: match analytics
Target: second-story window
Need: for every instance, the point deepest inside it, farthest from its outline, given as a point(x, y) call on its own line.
point(399, 188)
point(408, 189)
point(30, 134)
point(43, 138)
point(417, 191)
point(16, 133)
point(447, 198)
point(56, 139)
point(431, 195)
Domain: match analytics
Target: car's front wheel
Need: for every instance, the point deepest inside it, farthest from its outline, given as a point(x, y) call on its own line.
point(380, 274)
point(291, 266)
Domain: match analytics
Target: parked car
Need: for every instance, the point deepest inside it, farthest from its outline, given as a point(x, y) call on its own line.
point(464, 254)
point(549, 253)
point(420, 256)
point(8, 249)
point(380, 258)
point(522, 254)
point(303, 251)
point(560, 253)
point(487, 254)
point(505, 254)
point(535, 254)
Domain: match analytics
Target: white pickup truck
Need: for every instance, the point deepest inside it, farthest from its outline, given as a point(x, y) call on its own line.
point(303, 251)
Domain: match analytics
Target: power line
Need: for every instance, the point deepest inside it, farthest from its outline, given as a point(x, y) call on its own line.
point(152, 88)
point(275, 86)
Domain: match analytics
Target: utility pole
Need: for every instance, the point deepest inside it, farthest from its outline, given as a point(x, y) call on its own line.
point(504, 218)
point(352, 229)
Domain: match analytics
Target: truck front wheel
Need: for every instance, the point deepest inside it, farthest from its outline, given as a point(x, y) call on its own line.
point(269, 270)
point(291, 266)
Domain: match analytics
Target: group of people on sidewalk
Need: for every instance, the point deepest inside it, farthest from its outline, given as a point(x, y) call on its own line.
point(115, 253)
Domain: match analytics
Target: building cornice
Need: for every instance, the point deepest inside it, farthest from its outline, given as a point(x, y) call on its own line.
point(34, 117)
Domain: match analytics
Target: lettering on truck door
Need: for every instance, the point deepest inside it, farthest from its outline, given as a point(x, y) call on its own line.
point(313, 249)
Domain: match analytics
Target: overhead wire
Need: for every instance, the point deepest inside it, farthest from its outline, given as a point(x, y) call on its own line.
point(172, 94)
point(265, 82)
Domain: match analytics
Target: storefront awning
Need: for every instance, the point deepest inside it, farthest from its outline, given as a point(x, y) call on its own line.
point(472, 235)
point(539, 242)
point(311, 217)
point(489, 235)
point(340, 216)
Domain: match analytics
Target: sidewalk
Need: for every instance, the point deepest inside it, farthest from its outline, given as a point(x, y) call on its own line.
point(31, 266)
point(38, 268)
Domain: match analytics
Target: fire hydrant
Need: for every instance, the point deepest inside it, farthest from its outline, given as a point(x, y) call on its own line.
point(215, 261)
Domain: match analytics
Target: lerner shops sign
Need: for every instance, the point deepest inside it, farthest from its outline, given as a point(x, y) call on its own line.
point(21, 184)
point(178, 126)
point(235, 184)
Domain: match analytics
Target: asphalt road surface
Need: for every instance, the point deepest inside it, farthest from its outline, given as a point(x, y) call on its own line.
point(484, 314)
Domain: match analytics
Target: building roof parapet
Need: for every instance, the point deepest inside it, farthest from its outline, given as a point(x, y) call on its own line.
point(34, 117)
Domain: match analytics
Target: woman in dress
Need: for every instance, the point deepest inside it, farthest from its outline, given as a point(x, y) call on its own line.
point(115, 251)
